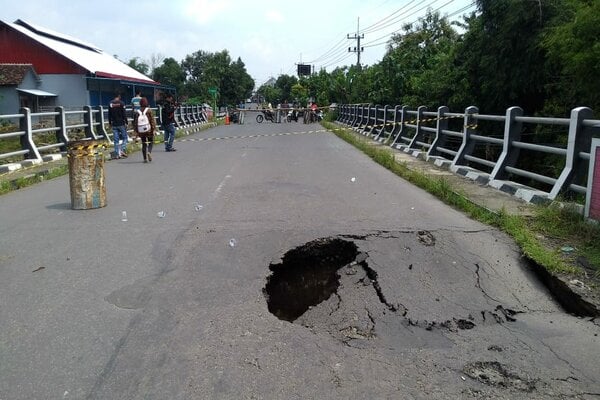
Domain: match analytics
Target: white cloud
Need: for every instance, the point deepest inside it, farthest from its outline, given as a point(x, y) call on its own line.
point(274, 16)
point(204, 12)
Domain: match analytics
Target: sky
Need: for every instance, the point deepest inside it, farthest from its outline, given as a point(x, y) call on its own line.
point(270, 37)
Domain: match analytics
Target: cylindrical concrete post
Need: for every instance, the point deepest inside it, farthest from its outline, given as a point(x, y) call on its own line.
point(86, 174)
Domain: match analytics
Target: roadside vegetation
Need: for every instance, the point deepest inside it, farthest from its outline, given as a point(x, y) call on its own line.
point(556, 237)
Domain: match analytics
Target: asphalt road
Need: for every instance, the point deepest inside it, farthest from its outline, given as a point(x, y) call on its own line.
point(423, 303)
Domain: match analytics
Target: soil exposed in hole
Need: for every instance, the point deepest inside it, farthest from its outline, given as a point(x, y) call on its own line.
point(307, 276)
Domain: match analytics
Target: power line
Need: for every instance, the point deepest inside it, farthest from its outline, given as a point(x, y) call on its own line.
point(375, 42)
point(465, 8)
point(329, 52)
point(376, 26)
point(413, 13)
point(337, 61)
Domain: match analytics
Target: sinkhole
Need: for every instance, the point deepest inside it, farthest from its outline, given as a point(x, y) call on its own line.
point(306, 276)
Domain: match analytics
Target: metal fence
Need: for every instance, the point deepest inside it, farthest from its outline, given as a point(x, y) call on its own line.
point(494, 149)
point(44, 134)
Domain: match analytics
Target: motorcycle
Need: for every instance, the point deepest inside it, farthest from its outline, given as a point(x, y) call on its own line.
point(266, 114)
point(292, 115)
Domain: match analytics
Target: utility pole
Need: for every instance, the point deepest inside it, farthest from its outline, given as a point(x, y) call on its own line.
point(357, 37)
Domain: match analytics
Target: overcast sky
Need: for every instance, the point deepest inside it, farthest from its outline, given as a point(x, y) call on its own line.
point(270, 37)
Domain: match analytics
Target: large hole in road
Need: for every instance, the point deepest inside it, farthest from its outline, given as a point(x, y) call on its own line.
point(307, 276)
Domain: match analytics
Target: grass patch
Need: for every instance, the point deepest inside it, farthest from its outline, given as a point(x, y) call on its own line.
point(532, 234)
point(19, 183)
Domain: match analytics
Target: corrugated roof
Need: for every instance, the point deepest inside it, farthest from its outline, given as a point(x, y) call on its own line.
point(84, 54)
point(39, 93)
point(13, 74)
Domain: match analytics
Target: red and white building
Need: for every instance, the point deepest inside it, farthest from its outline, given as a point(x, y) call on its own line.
point(41, 69)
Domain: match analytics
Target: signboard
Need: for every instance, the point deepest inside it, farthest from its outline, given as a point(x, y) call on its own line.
point(304, 69)
point(592, 201)
point(212, 91)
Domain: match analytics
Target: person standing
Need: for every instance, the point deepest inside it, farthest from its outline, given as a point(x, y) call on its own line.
point(135, 101)
point(117, 119)
point(144, 126)
point(135, 105)
point(168, 122)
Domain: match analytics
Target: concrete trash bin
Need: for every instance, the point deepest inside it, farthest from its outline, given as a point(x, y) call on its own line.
point(86, 174)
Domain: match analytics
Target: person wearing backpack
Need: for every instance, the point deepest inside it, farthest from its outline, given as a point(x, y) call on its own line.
point(144, 126)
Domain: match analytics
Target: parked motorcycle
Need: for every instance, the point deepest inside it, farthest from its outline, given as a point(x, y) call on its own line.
point(292, 115)
point(266, 114)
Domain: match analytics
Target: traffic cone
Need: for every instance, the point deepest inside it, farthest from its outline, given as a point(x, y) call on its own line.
point(227, 119)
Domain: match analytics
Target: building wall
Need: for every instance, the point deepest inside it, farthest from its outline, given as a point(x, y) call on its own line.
point(9, 100)
point(16, 48)
point(71, 89)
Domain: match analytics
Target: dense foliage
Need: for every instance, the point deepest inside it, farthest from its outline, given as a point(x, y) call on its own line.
point(201, 71)
point(542, 55)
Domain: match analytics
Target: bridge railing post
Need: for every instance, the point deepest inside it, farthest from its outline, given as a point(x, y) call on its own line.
point(383, 122)
point(395, 125)
point(27, 142)
point(510, 154)
point(418, 132)
point(467, 146)
point(88, 119)
point(355, 110)
point(343, 115)
point(60, 122)
point(579, 140)
point(372, 123)
point(442, 125)
point(101, 122)
point(359, 117)
point(367, 119)
point(196, 114)
point(403, 115)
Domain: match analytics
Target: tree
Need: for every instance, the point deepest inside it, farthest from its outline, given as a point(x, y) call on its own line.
point(138, 65)
point(417, 67)
point(170, 73)
point(204, 70)
point(155, 61)
point(284, 83)
point(299, 93)
point(501, 58)
point(571, 41)
point(271, 94)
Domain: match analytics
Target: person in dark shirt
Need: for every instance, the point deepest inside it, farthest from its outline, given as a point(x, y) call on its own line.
point(168, 122)
point(118, 121)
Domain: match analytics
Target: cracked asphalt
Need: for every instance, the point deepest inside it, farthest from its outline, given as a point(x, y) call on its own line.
point(431, 305)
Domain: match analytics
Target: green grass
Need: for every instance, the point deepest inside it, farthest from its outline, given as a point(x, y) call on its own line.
point(7, 186)
point(540, 237)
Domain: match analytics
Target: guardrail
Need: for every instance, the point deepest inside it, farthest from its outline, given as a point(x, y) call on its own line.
point(487, 148)
point(44, 136)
